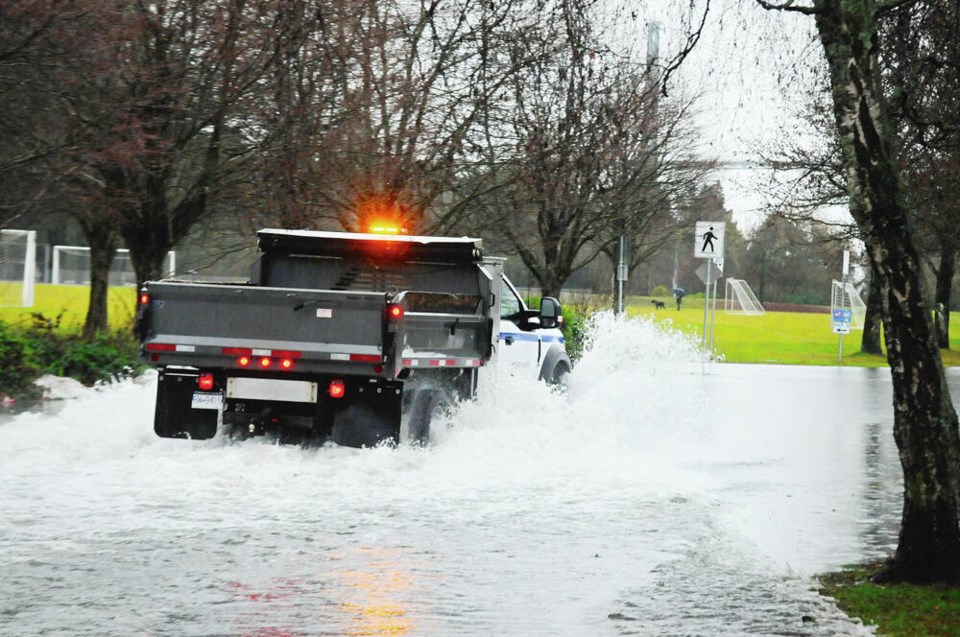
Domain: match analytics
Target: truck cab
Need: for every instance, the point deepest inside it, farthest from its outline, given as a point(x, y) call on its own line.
point(531, 342)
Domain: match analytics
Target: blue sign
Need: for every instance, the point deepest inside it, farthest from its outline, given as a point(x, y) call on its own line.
point(841, 321)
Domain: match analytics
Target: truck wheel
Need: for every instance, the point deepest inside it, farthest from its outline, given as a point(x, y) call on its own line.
point(559, 376)
point(426, 404)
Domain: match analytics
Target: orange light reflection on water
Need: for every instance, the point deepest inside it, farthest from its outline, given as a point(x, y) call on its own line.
point(379, 605)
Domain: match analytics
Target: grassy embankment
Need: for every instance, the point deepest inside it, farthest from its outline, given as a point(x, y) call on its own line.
point(898, 611)
point(788, 338)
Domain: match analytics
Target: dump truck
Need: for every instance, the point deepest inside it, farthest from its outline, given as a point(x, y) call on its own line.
point(350, 337)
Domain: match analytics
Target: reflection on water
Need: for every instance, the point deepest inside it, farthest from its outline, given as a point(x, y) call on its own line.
point(377, 594)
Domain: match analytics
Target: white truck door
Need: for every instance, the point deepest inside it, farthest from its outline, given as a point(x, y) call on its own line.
point(519, 350)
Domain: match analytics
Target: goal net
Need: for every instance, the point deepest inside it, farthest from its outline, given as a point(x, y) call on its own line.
point(845, 297)
point(740, 299)
point(71, 266)
point(18, 266)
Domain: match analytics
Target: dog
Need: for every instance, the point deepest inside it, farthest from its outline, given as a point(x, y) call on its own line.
point(659, 305)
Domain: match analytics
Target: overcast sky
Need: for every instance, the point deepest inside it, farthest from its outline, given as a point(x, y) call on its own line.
point(750, 70)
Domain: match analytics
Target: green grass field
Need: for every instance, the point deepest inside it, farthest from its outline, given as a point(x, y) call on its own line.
point(790, 338)
point(777, 337)
point(70, 303)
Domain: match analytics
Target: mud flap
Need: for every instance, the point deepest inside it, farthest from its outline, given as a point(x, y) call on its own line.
point(363, 425)
point(176, 416)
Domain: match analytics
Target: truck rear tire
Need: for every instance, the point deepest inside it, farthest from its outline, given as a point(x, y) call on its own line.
point(425, 405)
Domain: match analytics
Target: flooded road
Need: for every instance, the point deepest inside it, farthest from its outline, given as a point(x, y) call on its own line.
point(659, 496)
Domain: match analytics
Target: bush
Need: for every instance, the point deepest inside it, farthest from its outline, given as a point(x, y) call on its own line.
point(661, 290)
point(108, 357)
point(43, 349)
point(16, 372)
point(574, 329)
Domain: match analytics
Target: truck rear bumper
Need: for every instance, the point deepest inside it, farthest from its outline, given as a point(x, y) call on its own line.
point(362, 412)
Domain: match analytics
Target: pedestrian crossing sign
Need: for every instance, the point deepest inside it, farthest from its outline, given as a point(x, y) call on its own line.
point(708, 243)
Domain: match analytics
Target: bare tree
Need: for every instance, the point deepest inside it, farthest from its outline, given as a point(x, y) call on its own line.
point(920, 65)
point(383, 97)
point(809, 178)
point(579, 152)
point(43, 98)
point(925, 423)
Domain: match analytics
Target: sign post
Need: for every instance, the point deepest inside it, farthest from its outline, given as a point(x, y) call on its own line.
point(843, 317)
point(708, 244)
point(623, 271)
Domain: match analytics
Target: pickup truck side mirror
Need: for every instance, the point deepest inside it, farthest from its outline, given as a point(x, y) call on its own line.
point(549, 312)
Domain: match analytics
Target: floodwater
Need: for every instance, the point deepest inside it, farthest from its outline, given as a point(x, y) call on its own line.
point(658, 496)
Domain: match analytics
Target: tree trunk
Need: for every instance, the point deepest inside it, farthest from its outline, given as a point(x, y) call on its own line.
point(149, 244)
point(948, 266)
point(870, 342)
point(925, 423)
point(148, 262)
point(102, 239)
point(551, 285)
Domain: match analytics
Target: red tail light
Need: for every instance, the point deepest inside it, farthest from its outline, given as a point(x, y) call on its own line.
point(336, 389)
point(286, 363)
point(265, 362)
point(243, 361)
point(394, 311)
point(205, 382)
point(144, 299)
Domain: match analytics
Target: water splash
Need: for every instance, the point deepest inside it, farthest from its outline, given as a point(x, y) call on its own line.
point(603, 510)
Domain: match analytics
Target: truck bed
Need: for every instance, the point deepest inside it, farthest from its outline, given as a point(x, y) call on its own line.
point(202, 321)
point(209, 324)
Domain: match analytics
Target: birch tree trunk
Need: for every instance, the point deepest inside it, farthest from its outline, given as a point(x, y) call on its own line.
point(925, 423)
point(870, 342)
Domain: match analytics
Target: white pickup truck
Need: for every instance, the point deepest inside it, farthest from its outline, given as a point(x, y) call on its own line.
point(344, 336)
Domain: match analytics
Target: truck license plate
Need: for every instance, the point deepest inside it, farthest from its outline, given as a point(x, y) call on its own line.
point(294, 391)
point(206, 400)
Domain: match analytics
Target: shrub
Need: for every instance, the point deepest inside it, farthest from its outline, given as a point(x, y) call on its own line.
point(42, 348)
point(108, 357)
point(574, 329)
point(44, 342)
point(661, 290)
point(16, 372)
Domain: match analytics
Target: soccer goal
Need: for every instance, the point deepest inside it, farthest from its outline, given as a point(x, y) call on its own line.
point(740, 299)
point(18, 267)
point(71, 266)
point(845, 297)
